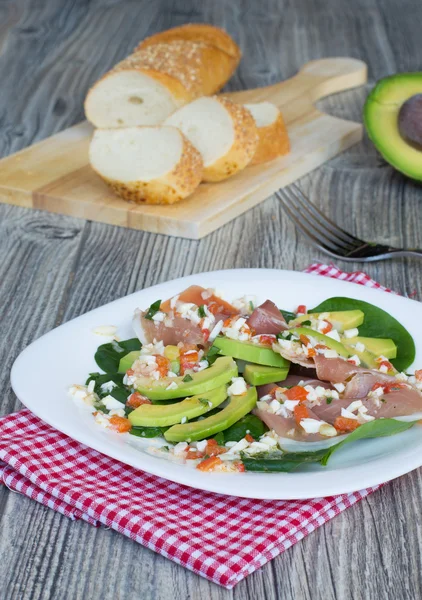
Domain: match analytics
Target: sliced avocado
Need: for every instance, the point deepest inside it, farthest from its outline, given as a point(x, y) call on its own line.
point(154, 415)
point(218, 374)
point(127, 361)
point(324, 339)
point(238, 407)
point(340, 320)
point(342, 349)
point(253, 353)
point(381, 117)
point(261, 374)
point(376, 346)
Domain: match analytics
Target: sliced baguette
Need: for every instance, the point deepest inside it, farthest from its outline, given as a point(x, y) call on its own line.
point(272, 132)
point(224, 133)
point(152, 83)
point(146, 165)
point(197, 32)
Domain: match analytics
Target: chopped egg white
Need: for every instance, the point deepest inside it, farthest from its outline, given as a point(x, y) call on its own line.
point(340, 387)
point(330, 353)
point(172, 386)
point(310, 425)
point(354, 406)
point(108, 386)
point(347, 414)
point(351, 333)
point(334, 335)
point(237, 387)
point(111, 403)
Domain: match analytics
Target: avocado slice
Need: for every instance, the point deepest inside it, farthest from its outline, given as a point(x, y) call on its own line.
point(127, 360)
point(376, 346)
point(219, 373)
point(253, 353)
point(154, 415)
point(340, 320)
point(261, 374)
point(342, 349)
point(238, 407)
point(381, 118)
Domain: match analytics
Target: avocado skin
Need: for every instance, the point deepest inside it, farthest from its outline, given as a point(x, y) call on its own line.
point(380, 116)
point(254, 353)
point(238, 407)
point(261, 375)
point(219, 373)
point(153, 415)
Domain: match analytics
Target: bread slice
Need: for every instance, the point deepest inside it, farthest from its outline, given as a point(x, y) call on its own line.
point(152, 83)
point(272, 132)
point(224, 133)
point(197, 32)
point(146, 165)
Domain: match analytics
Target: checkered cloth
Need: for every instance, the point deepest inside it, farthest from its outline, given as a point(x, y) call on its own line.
point(222, 538)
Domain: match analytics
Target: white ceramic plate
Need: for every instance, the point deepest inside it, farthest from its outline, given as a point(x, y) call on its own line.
point(43, 372)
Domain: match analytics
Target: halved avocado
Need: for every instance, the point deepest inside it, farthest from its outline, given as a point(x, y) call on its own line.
point(253, 353)
point(340, 320)
point(218, 374)
point(154, 415)
point(238, 407)
point(381, 117)
point(261, 374)
point(376, 346)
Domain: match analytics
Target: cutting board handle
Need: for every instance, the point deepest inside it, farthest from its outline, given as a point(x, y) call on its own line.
point(330, 75)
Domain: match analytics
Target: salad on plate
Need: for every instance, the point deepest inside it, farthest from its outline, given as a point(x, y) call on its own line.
point(240, 386)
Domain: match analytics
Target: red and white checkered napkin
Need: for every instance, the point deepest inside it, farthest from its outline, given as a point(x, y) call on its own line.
point(222, 538)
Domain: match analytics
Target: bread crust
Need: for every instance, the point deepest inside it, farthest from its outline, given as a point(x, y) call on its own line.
point(243, 148)
point(273, 141)
point(176, 185)
point(197, 32)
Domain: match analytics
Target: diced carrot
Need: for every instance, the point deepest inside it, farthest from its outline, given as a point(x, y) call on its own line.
point(136, 399)
point(321, 346)
point(206, 333)
point(296, 392)
point(249, 438)
point(210, 464)
point(418, 374)
point(301, 309)
point(327, 328)
point(163, 364)
point(120, 424)
point(345, 425)
point(311, 352)
point(304, 339)
point(194, 294)
point(188, 359)
point(130, 372)
point(384, 363)
point(273, 391)
point(240, 467)
point(300, 412)
point(266, 340)
point(193, 454)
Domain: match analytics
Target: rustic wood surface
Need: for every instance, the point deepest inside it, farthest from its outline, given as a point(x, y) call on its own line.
point(54, 268)
point(55, 174)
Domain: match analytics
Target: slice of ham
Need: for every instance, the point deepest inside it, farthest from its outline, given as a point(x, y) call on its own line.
point(287, 427)
point(267, 319)
point(179, 329)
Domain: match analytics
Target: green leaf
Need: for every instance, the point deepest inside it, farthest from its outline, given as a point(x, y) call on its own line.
point(187, 378)
point(247, 424)
point(289, 316)
point(219, 438)
point(108, 355)
point(120, 392)
point(212, 355)
point(377, 324)
point(201, 311)
point(153, 309)
point(372, 429)
point(251, 306)
point(278, 461)
point(148, 432)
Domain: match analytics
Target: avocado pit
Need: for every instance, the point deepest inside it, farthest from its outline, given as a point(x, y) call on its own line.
point(410, 120)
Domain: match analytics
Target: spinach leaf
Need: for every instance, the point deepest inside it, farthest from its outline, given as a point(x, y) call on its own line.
point(289, 316)
point(247, 424)
point(278, 461)
point(201, 311)
point(120, 392)
point(212, 355)
point(148, 432)
point(377, 324)
point(153, 309)
point(108, 355)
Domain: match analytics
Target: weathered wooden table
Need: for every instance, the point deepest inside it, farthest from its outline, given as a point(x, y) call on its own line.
point(54, 268)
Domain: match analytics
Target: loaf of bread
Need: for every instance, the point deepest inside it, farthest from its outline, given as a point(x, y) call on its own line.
point(224, 133)
point(146, 165)
point(161, 76)
point(273, 140)
point(197, 32)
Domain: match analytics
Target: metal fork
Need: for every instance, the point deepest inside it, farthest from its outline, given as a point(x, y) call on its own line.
point(328, 236)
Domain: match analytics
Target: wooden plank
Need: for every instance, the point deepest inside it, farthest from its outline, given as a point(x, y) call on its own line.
point(54, 175)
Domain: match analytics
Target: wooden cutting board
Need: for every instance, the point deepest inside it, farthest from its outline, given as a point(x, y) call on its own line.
point(55, 175)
